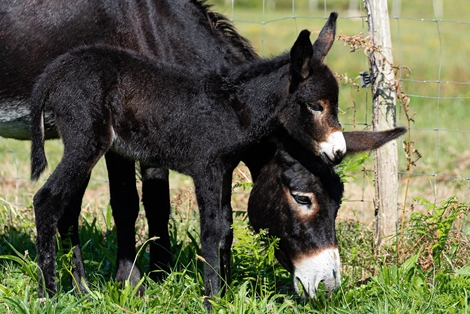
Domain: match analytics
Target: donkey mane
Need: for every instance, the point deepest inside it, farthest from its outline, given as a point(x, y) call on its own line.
point(220, 22)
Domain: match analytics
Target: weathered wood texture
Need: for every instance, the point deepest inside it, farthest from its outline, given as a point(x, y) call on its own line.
point(384, 117)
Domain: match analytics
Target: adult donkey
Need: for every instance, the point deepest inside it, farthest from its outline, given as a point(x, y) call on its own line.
point(200, 124)
point(34, 33)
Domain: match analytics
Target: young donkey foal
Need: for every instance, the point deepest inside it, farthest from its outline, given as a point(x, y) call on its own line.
point(106, 98)
point(46, 30)
point(297, 197)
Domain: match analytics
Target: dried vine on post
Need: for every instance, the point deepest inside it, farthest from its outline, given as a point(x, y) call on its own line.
point(386, 91)
point(384, 117)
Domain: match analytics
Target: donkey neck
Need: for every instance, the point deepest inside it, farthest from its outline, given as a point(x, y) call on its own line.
point(257, 93)
point(214, 41)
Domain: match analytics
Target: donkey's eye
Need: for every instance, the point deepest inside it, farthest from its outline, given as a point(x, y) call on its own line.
point(316, 107)
point(301, 199)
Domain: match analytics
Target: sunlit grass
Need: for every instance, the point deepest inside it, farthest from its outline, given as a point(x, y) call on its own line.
point(390, 281)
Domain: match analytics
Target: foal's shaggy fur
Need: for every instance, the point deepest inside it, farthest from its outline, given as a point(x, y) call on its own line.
point(106, 98)
point(34, 33)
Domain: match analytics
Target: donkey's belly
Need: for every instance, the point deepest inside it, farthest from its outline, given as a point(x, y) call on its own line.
point(15, 120)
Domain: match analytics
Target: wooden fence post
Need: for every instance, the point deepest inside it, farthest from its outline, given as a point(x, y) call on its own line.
point(384, 99)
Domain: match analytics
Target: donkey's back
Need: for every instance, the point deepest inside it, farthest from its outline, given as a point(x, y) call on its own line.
point(137, 105)
point(33, 34)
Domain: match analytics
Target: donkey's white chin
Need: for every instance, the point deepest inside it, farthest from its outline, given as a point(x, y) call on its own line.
point(334, 148)
point(321, 267)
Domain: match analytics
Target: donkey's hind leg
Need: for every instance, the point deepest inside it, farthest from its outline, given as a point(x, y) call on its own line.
point(156, 200)
point(227, 219)
point(125, 207)
point(68, 229)
point(51, 201)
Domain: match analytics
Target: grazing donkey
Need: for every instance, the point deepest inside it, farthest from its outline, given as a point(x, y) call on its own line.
point(200, 124)
point(35, 33)
point(296, 198)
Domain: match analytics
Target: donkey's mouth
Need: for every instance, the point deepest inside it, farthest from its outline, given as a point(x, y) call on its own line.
point(326, 159)
point(332, 159)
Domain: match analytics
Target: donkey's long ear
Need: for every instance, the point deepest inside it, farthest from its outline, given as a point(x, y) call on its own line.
point(300, 56)
point(325, 39)
point(361, 141)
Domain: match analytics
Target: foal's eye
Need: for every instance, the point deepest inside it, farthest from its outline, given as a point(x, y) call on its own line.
point(301, 199)
point(316, 107)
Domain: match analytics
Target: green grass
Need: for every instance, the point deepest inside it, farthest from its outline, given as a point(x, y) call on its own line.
point(391, 281)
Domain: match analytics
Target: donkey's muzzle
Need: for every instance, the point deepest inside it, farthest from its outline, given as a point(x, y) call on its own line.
point(333, 149)
point(332, 159)
point(309, 271)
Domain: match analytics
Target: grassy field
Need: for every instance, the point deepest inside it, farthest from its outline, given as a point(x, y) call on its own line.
point(425, 271)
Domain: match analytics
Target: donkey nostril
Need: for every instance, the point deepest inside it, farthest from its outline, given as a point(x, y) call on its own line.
point(339, 153)
point(338, 156)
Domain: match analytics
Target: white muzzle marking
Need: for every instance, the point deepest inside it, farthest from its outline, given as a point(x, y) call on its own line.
point(335, 144)
point(310, 271)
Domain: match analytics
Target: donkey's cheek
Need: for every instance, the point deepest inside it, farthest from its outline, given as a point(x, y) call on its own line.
point(323, 267)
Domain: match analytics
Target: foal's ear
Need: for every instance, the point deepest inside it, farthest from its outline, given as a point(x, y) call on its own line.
point(361, 141)
point(325, 39)
point(300, 56)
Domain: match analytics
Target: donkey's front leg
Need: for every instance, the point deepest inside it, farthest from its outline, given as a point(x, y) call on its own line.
point(216, 233)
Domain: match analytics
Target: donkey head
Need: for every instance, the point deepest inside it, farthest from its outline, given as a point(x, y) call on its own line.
point(299, 206)
point(296, 198)
point(313, 95)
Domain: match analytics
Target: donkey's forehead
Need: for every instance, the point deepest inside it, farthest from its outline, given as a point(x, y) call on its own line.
point(298, 178)
point(323, 83)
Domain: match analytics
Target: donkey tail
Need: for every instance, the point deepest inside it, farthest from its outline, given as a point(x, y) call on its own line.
point(38, 103)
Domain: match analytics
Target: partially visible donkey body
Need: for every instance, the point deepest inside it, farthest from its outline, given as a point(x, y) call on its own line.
point(200, 124)
point(35, 33)
point(296, 198)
